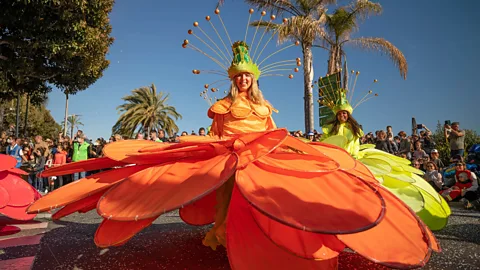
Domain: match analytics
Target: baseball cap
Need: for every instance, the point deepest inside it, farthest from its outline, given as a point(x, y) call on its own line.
point(434, 151)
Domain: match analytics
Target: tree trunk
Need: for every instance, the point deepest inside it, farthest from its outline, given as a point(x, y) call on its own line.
point(66, 115)
point(71, 128)
point(17, 120)
point(334, 60)
point(308, 91)
point(26, 116)
point(2, 113)
point(345, 75)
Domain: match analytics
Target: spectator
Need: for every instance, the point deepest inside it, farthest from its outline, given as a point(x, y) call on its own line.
point(140, 136)
point(201, 131)
point(310, 136)
point(382, 143)
point(154, 136)
point(80, 152)
point(36, 168)
point(161, 136)
point(39, 143)
point(59, 160)
point(433, 176)
point(184, 133)
point(456, 138)
point(15, 150)
point(393, 143)
point(419, 153)
point(435, 158)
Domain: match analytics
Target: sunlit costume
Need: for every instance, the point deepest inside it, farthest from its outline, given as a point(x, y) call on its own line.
point(393, 172)
point(15, 193)
point(277, 202)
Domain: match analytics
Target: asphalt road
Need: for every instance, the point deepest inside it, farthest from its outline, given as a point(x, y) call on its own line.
point(171, 244)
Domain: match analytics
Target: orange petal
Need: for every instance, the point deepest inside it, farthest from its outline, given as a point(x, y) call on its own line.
point(336, 153)
point(83, 166)
point(197, 139)
point(170, 154)
point(164, 188)
point(336, 202)
point(119, 150)
point(304, 244)
point(21, 193)
point(248, 248)
point(115, 233)
point(17, 212)
point(293, 163)
point(252, 146)
point(7, 162)
point(201, 212)
point(83, 188)
point(86, 203)
point(400, 240)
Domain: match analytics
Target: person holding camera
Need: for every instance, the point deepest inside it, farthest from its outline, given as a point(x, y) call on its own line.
point(455, 137)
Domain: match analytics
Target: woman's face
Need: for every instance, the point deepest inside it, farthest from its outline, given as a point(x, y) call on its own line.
point(430, 167)
point(243, 81)
point(459, 167)
point(342, 116)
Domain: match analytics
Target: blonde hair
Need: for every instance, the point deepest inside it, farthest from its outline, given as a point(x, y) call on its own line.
point(254, 93)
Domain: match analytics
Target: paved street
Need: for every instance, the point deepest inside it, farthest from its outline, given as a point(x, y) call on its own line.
point(170, 244)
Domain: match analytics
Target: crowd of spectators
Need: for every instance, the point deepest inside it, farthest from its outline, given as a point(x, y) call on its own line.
point(39, 154)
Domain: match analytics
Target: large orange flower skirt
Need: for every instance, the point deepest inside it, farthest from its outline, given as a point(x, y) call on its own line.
point(277, 202)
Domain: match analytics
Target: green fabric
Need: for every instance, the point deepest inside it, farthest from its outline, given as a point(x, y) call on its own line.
point(396, 174)
point(80, 152)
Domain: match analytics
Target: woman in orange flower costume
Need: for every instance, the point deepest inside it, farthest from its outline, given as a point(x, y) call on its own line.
point(277, 203)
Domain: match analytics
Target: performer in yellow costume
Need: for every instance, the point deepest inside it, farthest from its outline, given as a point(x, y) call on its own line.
point(277, 202)
point(393, 172)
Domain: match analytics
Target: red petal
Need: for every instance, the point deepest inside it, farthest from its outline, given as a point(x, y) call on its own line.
point(4, 197)
point(304, 244)
point(248, 248)
point(201, 212)
point(17, 212)
point(86, 203)
point(7, 162)
point(115, 233)
point(21, 193)
point(400, 240)
point(83, 166)
point(17, 171)
point(82, 188)
point(336, 202)
point(163, 188)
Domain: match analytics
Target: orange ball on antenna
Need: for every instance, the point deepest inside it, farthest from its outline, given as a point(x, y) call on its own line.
point(195, 24)
point(251, 11)
point(207, 18)
point(217, 11)
point(263, 13)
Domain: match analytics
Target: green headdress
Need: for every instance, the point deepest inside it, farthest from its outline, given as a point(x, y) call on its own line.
point(242, 62)
point(333, 98)
point(245, 58)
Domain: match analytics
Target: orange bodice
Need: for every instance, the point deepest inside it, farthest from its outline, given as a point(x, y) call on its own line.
point(241, 116)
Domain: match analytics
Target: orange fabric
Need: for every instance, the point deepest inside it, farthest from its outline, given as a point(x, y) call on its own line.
point(163, 188)
point(120, 150)
point(335, 202)
point(249, 249)
point(83, 188)
point(300, 243)
point(82, 166)
point(115, 233)
point(241, 116)
point(201, 212)
point(89, 202)
point(397, 241)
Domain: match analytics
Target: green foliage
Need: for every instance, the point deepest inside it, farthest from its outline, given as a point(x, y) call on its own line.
point(39, 122)
point(60, 42)
point(145, 110)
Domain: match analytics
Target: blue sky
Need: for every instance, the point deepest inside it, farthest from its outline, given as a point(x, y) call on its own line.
point(438, 39)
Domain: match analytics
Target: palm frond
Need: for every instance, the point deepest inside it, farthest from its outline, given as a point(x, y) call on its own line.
point(384, 46)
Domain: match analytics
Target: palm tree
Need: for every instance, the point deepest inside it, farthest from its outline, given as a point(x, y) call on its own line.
point(73, 121)
point(145, 110)
point(304, 25)
point(342, 23)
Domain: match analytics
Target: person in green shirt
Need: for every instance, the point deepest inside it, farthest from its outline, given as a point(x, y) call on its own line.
point(80, 152)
